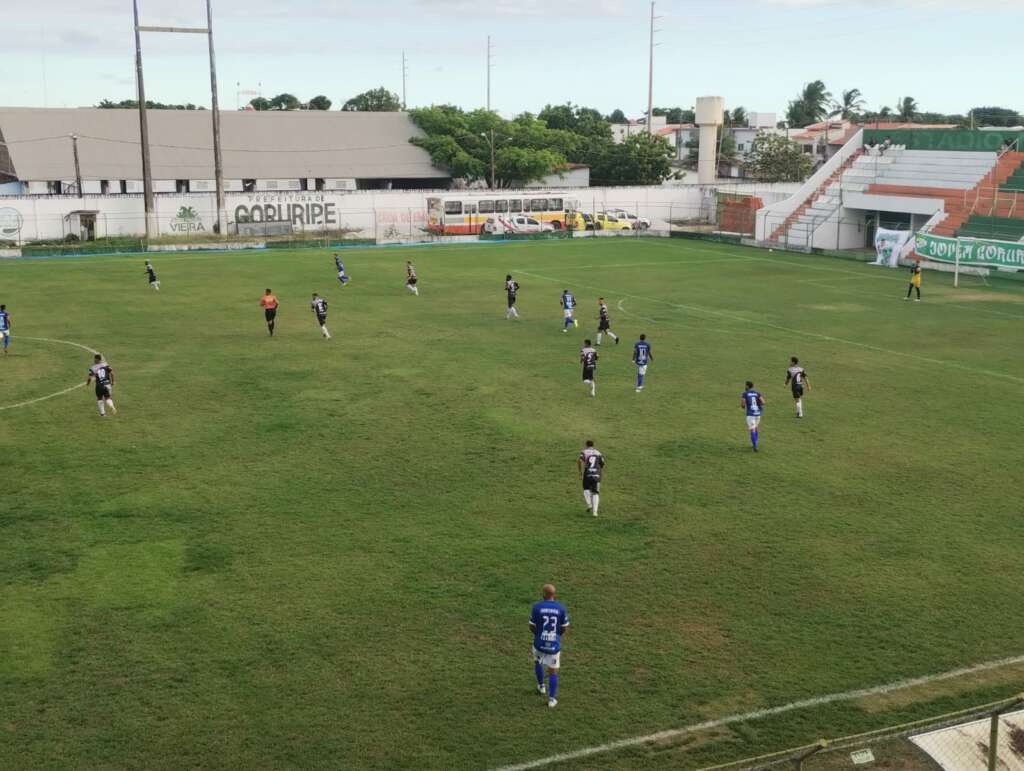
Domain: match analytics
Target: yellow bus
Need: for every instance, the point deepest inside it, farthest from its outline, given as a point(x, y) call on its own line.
point(465, 214)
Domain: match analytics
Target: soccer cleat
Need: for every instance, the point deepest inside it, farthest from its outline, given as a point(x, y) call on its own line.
point(917, 300)
point(639, 390)
point(575, 323)
point(617, 340)
point(552, 703)
point(906, 298)
point(542, 690)
point(113, 409)
point(594, 513)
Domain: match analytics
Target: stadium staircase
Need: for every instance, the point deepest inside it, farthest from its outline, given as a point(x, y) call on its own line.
point(820, 206)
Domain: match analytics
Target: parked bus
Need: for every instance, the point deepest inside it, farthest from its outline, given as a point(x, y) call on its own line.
point(462, 214)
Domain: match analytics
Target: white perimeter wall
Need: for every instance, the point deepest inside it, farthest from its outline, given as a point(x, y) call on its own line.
point(367, 214)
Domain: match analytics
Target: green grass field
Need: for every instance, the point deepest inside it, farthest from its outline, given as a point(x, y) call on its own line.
point(293, 552)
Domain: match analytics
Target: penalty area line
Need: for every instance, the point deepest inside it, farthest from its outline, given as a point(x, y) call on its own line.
point(758, 714)
point(55, 394)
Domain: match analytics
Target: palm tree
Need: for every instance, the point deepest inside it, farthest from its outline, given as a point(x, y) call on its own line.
point(815, 98)
point(850, 106)
point(907, 107)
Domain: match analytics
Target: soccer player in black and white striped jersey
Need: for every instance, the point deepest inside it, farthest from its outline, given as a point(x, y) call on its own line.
point(796, 379)
point(319, 306)
point(103, 374)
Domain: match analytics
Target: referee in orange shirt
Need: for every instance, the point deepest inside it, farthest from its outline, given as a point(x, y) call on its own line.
point(269, 305)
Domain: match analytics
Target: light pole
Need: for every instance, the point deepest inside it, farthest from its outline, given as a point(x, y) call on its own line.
point(147, 178)
point(78, 168)
point(490, 142)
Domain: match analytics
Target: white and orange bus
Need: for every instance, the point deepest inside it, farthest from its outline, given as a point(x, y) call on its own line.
point(465, 214)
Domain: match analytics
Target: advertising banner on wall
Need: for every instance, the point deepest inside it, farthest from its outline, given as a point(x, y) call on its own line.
point(970, 251)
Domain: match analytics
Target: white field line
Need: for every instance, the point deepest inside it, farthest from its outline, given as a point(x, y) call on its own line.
point(69, 389)
point(758, 714)
point(788, 330)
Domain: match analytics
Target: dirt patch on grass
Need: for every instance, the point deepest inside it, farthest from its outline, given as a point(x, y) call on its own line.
point(1010, 676)
point(963, 296)
point(838, 307)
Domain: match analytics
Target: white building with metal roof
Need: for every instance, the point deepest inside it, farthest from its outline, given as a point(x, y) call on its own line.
point(308, 150)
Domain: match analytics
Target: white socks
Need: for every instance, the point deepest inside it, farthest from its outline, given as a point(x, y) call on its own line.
point(414, 289)
point(593, 386)
point(598, 338)
point(799, 408)
point(323, 329)
point(100, 405)
point(595, 499)
point(613, 336)
point(587, 497)
point(512, 313)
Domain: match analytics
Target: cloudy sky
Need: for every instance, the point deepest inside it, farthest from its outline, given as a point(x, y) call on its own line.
point(948, 54)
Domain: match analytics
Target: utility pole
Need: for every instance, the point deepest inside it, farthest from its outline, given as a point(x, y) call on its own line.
point(218, 161)
point(78, 168)
point(147, 174)
point(405, 73)
point(650, 78)
point(492, 159)
point(489, 66)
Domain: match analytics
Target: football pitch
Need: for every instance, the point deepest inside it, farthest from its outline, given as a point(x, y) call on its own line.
point(298, 552)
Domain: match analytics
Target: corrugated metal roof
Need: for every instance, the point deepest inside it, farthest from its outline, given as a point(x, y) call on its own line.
point(259, 145)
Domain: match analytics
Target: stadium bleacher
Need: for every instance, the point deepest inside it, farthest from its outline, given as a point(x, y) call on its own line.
point(998, 228)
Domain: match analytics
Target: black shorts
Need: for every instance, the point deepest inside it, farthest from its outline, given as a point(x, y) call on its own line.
point(603, 325)
point(798, 391)
point(102, 391)
point(511, 300)
point(411, 281)
point(270, 313)
point(592, 483)
point(588, 373)
point(321, 320)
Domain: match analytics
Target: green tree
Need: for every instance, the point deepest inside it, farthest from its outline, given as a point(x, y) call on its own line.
point(849, 106)
point(319, 103)
point(811, 106)
point(738, 117)
point(260, 103)
point(126, 104)
point(525, 149)
point(995, 116)
point(285, 102)
point(674, 114)
point(617, 116)
point(374, 100)
point(642, 159)
point(775, 158)
point(727, 156)
point(906, 108)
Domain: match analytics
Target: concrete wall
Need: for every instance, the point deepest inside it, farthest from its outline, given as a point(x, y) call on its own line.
point(385, 215)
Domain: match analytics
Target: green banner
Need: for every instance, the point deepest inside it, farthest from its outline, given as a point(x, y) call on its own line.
point(944, 139)
point(992, 254)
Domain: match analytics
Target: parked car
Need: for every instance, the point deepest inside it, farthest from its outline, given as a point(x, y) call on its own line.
point(523, 224)
point(607, 221)
point(638, 223)
point(578, 220)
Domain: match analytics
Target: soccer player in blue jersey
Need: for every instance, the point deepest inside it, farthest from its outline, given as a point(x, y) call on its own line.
point(342, 278)
point(548, 622)
point(5, 327)
point(642, 356)
point(568, 302)
point(753, 402)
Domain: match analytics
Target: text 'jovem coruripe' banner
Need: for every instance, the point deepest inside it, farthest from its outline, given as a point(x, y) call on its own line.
point(972, 251)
